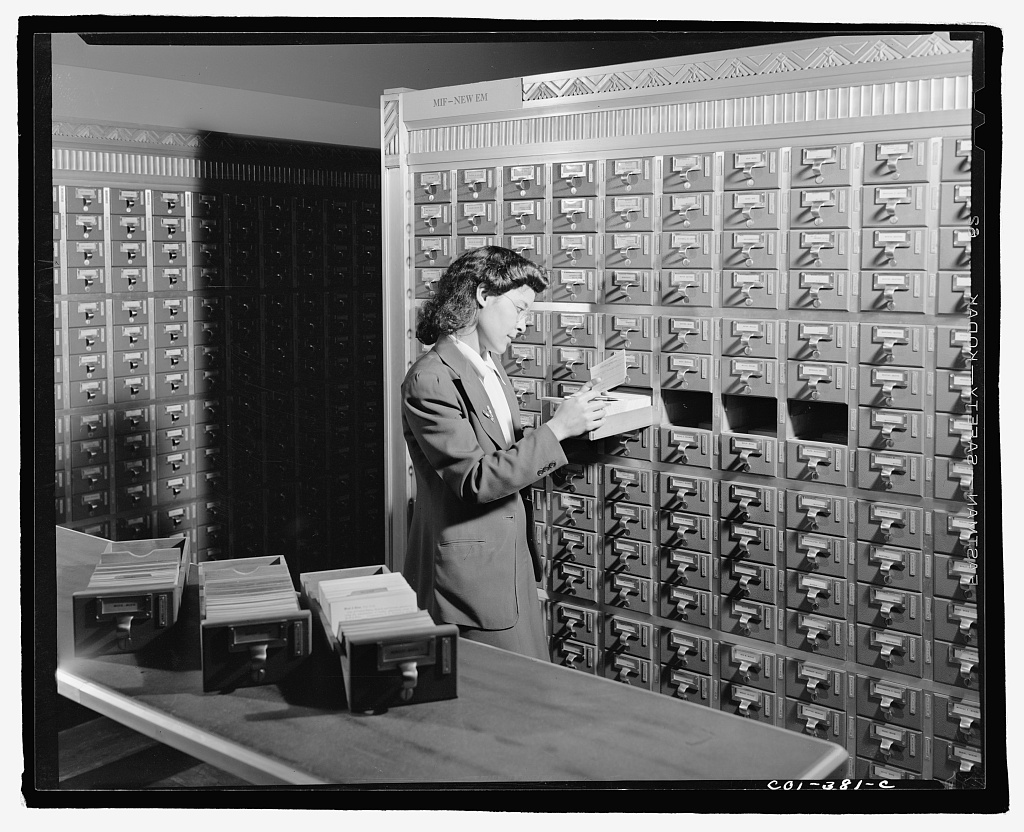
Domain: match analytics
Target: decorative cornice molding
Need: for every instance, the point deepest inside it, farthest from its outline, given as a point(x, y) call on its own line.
point(694, 73)
point(215, 145)
point(125, 135)
point(128, 165)
point(796, 109)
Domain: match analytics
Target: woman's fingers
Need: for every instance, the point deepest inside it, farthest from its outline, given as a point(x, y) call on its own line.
point(587, 391)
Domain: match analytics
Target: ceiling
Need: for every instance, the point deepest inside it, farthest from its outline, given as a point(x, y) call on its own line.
point(355, 68)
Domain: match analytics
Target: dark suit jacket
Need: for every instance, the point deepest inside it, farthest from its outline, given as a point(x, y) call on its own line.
point(472, 511)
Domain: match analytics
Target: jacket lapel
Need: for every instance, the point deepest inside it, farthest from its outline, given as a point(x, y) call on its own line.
point(469, 381)
point(510, 397)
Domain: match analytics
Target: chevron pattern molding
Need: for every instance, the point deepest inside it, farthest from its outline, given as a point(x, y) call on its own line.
point(695, 73)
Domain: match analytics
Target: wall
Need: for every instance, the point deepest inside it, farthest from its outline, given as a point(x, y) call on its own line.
point(100, 95)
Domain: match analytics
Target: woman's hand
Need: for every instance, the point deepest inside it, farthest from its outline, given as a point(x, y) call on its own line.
point(579, 413)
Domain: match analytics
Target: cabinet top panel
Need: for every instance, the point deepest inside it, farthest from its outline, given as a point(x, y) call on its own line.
point(797, 63)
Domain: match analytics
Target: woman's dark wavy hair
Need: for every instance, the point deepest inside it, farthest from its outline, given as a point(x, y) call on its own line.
point(454, 303)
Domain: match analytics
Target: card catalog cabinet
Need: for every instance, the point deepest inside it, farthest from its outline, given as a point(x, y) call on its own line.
point(799, 536)
point(218, 344)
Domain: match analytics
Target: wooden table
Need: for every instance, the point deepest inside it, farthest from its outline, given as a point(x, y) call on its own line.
point(516, 720)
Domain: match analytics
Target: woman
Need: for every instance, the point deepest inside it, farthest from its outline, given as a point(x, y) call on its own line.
point(470, 554)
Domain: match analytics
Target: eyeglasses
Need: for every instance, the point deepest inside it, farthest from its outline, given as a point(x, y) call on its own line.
point(522, 312)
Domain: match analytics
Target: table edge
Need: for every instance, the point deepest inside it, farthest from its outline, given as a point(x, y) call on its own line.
point(231, 757)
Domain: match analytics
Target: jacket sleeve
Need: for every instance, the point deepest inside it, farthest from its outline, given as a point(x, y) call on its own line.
point(440, 421)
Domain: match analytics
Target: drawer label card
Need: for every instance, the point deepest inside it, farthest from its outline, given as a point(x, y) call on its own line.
point(627, 204)
point(819, 154)
point(964, 709)
point(892, 237)
point(740, 491)
point(627, 166)
point(885, 150)
point(743, 160)
point(684, 203)
point(886, 513)
point(519, 242)
point(813, 542)
point(682, 520)
point(892, 195)
point(822, 198)
point(814, 452)
point(756, 200)
point(683, 164)
point(888, 417)
point(682, 325)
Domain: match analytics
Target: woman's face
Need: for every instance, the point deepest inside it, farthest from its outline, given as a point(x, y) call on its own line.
point(502, 317)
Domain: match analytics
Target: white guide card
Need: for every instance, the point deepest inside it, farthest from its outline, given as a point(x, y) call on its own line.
point(611, 371)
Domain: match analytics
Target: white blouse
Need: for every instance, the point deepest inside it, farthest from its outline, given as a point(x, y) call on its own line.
point(492, 382)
